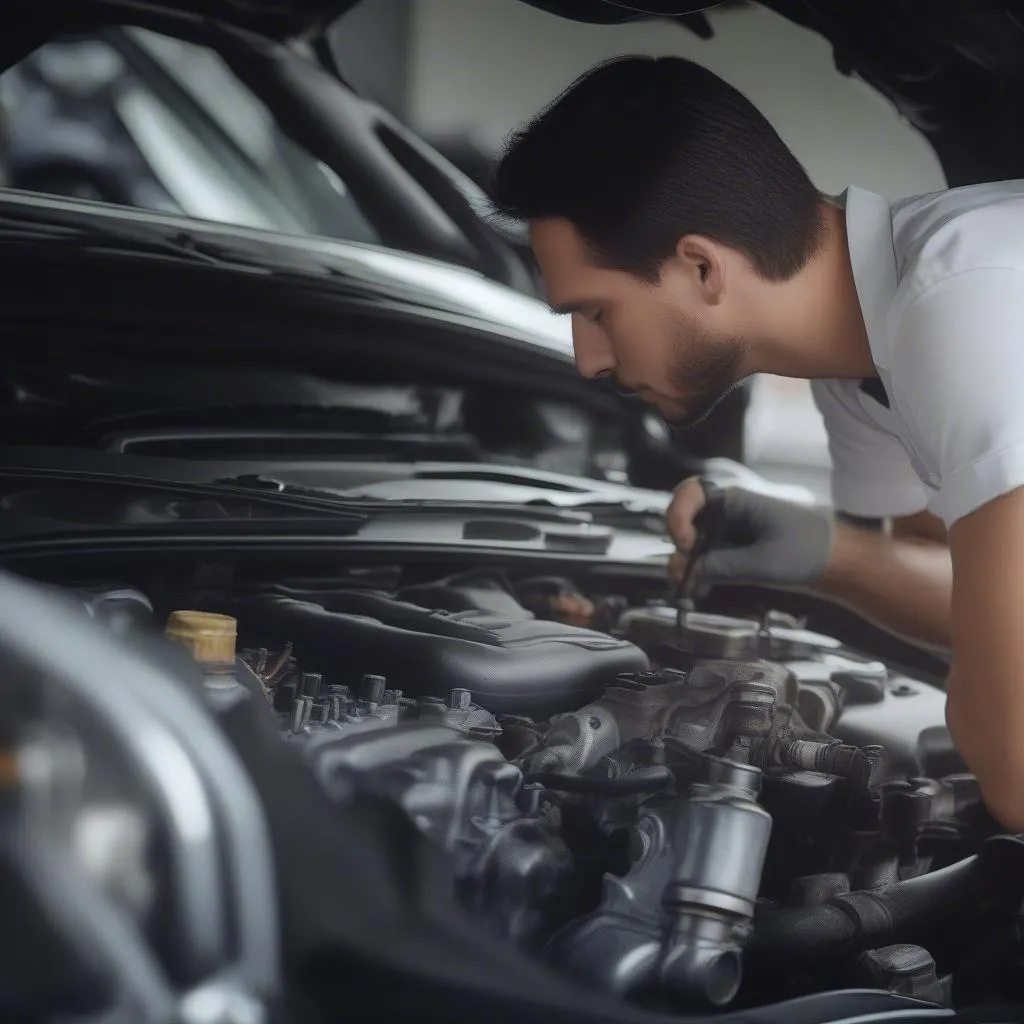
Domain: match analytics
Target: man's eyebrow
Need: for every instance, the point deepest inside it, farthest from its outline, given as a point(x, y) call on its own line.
point(565, 308)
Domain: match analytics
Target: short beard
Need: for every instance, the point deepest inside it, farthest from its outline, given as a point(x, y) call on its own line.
point(705, 368)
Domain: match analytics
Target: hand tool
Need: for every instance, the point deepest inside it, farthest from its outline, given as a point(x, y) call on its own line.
point(705, 522)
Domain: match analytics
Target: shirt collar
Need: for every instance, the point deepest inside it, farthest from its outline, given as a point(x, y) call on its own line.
point(873, 258)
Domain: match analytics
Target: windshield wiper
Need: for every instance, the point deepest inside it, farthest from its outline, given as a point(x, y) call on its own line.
point(318, 505)
point(368, 505)
point(274, 494)
point(600, 512)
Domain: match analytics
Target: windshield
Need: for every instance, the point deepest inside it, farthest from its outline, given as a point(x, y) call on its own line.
point(135, 118)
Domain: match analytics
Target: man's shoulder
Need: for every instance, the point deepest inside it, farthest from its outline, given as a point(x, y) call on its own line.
point(959, 230)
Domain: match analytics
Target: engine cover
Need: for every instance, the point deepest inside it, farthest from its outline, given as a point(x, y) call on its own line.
point(522, 666)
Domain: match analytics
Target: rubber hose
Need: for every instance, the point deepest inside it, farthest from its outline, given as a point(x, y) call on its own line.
point(867, 919)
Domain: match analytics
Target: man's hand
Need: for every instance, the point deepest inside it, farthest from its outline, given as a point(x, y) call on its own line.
point(754, 538)
point(901, 582)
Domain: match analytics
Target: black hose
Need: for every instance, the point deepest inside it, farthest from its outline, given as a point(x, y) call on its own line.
point(864, 920)
point(652, 781)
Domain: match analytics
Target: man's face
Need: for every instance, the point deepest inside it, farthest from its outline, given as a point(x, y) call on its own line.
point(656, 340)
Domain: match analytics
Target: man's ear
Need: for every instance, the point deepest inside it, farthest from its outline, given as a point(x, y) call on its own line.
point(703, 262)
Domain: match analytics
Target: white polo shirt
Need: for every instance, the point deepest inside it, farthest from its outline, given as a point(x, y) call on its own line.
point(940, 280)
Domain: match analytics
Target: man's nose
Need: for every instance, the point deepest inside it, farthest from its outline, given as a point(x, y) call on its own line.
point(594, 356)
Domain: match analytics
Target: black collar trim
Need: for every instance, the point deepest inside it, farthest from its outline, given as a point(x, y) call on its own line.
point(873, 388)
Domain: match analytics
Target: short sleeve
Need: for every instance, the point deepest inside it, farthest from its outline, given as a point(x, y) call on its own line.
point(872, 476)
point(957, 370)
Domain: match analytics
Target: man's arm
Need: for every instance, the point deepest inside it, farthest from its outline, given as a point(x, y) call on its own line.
point(968, 596)
point(903, 581)
point(985, 708)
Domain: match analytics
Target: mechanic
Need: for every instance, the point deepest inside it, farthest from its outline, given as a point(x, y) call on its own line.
point(692, 250)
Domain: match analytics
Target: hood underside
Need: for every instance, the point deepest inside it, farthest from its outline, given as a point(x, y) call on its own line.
point(954, 70)
point(274, 18)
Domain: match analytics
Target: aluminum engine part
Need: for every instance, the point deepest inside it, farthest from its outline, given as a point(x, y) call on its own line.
point(776, 636)
point(308, 704)
point(510, 864)
point(702, 711)
point(577, 742)
point(677, 922)
point(740, 710)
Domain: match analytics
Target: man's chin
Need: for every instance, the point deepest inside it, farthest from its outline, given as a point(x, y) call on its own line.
point(676, 417)
point(675, 412)
point(671, 411)
point(685, 415)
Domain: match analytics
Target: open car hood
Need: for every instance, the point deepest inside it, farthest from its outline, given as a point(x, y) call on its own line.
point(954, 70)
point(284, 18)
point(277, 19)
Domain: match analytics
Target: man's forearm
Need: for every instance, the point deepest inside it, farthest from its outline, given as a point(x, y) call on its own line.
point(903, 584)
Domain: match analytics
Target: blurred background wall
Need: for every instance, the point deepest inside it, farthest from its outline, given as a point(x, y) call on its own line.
point(373, 47)
point(480, 67)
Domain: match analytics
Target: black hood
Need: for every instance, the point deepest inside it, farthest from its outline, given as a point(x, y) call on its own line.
point(277, 19)
point(954, 68)
point(31, 23)
point(281, 19)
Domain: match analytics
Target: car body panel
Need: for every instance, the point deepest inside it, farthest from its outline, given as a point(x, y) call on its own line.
point(360, 271)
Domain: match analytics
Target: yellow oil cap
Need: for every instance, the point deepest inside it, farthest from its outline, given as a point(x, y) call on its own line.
point(208, 636)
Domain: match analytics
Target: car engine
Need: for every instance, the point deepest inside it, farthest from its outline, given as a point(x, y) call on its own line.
point(687, 811)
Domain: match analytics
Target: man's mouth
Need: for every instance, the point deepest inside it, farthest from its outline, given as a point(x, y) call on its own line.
point(626, 391)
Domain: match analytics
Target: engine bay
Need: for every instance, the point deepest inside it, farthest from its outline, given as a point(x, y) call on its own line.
point(691, 812)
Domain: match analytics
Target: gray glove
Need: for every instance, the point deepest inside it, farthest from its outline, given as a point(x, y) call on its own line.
point(749, 537)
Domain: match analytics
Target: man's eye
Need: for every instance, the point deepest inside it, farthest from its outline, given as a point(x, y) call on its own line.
point(594, 315)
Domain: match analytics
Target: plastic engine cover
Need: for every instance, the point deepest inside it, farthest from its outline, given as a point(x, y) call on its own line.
point(521, 666)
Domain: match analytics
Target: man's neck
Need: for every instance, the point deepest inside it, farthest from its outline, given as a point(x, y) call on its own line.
point(817, 324)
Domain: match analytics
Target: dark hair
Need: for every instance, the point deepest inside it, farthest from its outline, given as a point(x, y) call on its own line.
point(641, 151)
